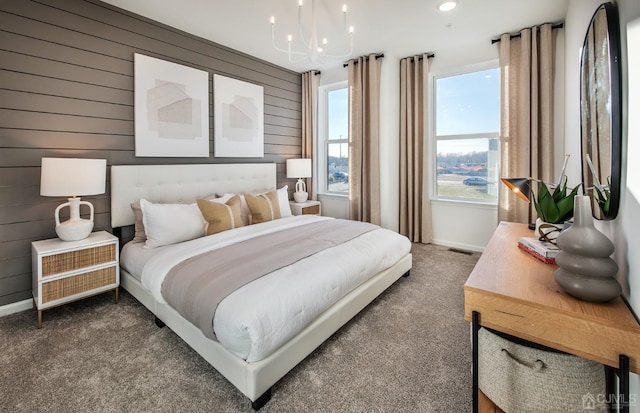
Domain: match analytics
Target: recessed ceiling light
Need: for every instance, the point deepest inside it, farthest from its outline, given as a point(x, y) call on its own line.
point(447, 5)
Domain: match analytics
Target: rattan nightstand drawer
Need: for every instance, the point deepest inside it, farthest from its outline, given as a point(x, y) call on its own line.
point(73, 260)
point(306, 208)
point(77, 284)
point(311, 210)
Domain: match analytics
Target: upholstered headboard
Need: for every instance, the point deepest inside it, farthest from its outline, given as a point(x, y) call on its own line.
point(182, 183)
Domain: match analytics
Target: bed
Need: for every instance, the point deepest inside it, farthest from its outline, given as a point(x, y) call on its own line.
point(252, 370)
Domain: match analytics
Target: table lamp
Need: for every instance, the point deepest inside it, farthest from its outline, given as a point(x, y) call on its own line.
point(522, 188)
point(73, 177)
point(519, 186)
point(299, 168)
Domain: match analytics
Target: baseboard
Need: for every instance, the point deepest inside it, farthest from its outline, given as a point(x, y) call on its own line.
point(16, 307)
point(458, 245)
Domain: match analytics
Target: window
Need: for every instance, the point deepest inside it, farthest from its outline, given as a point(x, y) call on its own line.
point(467, 126)
point(333, 150)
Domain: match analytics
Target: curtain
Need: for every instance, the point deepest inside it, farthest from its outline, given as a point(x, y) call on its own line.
point(310, 82)
point(526, 130)
point(415, 205)
point(364, 138)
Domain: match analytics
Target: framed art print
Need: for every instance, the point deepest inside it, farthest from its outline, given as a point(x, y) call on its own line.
point(238, 118)
point(171, 109)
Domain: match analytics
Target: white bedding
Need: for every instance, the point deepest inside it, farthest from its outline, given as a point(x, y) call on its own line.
point(258, 318)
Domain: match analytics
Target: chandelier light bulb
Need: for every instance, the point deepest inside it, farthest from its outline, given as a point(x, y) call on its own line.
point(309, 45)
point(447, 5)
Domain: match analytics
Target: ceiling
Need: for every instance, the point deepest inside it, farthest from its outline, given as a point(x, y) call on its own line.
point(399, 28)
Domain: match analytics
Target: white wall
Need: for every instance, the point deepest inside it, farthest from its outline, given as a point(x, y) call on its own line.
point(624, 229)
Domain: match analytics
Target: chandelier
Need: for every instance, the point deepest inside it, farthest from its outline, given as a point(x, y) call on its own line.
point(312, 47)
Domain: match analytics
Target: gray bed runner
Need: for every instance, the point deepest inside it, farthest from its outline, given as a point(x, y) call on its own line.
point(197, 285)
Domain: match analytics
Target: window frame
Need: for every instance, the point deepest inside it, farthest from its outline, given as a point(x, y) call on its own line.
point(434, 138)
point(323, 141)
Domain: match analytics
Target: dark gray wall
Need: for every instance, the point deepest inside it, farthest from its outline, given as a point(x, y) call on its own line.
point(66, 89)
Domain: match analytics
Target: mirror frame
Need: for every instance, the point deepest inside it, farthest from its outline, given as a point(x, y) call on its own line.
point(615, 116)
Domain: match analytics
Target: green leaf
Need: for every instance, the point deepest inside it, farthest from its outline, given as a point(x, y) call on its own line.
point(565, 205)
point(555, 207)
point(543, 192)
point(560, 191)
point(548, 211)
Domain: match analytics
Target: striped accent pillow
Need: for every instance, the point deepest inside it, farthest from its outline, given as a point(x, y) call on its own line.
point(263, 207)
point(220, 216)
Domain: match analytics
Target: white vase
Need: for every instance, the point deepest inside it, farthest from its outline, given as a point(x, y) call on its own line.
point(548, 230)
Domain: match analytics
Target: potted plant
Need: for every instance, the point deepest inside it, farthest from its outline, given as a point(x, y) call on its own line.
point(554, 207)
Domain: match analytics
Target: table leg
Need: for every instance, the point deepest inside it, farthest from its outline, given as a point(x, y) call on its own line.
point(117, 294)
point(39, 318)
point(623, 392)
point(475, 327)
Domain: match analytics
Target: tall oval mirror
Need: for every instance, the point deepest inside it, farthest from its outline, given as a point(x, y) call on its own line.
point(600, 120)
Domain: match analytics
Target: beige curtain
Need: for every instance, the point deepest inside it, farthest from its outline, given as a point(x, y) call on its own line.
point(310, 82)
point(527, 71)
point(364, 138)
point(415, 206)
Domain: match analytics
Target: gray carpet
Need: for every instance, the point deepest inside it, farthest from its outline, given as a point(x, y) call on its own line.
point(408, 351)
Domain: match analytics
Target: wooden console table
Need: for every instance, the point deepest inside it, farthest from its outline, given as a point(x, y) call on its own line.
point(512, 292)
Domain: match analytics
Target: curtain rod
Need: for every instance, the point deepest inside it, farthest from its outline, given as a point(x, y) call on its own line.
point(513, 36)
point(378, 56)
point(429, 56)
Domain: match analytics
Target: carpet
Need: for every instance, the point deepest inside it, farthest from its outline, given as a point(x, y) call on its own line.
point(408, 351)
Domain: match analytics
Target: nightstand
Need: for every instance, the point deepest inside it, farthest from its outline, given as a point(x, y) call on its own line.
point(305, 208)
point(65, 271)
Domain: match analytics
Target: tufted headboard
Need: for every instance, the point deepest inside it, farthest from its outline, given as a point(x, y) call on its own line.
point(182, 183)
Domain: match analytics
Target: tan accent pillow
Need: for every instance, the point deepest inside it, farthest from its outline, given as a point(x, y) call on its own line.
point(220, 216)
point(263, 207)
point(139, 234)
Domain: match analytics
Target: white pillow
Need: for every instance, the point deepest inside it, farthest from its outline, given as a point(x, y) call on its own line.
point(167, 224)
point(283, 202)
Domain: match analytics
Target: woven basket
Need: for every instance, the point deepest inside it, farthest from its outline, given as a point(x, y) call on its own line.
point(520, 379)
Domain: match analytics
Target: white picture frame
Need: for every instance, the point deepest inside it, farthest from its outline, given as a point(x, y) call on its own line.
point(171, 109)
point(238, 118)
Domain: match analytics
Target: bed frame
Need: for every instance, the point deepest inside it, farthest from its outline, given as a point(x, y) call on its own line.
point(184, 183)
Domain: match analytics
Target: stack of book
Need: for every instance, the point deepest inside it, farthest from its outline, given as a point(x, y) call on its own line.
point(542, 250)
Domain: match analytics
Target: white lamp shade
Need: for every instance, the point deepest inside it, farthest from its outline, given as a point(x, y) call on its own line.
point(298, 168)
point(72, 176)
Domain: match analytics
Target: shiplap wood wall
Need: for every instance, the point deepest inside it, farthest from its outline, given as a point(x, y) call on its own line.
point(66, 90)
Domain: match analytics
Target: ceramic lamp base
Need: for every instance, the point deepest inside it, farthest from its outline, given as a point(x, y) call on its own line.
point(300, 197)
point(74, 230)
